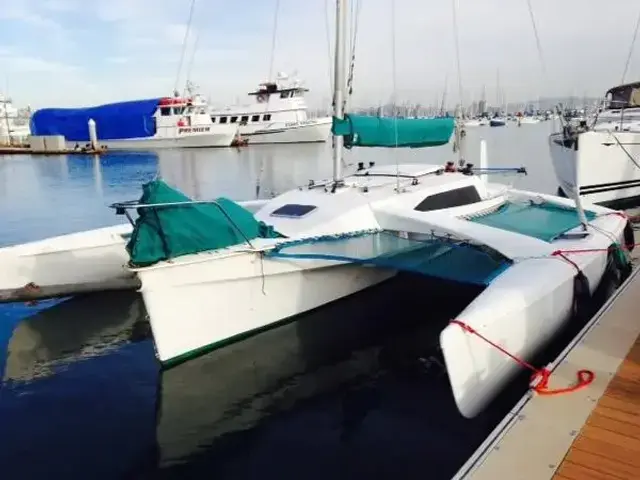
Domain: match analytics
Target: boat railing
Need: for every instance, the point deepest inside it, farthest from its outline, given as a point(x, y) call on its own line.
point(122, 208)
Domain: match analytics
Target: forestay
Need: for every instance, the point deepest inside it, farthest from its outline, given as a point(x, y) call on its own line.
point(369, 131)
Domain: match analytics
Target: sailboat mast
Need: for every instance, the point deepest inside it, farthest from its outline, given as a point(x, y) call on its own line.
point(338, 86)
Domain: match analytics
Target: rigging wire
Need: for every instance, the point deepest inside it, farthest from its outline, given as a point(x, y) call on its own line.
point(543, 64)
point(537, 37)
point(631, 48)
point(459, 123)
point(274, 35)
point(394, 89)
point(184, 44)
point(191, 62)
point(327, 30)
point(355, 14)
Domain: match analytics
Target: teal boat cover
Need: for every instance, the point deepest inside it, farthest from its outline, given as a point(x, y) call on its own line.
point(544, 221)
point(165, 232)
point(369, 131)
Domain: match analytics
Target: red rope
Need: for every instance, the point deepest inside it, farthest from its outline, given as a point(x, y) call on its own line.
point(585, 377)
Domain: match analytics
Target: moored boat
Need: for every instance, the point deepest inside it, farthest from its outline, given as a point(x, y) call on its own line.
point(168, 122)
point(277, 114)
point(601, 154)
point(214, 274)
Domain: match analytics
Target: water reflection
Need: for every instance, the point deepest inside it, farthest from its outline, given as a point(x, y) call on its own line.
point(70, 331)
point(299, 401)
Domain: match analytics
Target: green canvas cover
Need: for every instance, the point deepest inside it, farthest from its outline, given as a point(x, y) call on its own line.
point(368, 131)
point(170, 231)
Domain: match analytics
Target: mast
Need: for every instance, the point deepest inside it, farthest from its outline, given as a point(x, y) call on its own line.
point(338, 87)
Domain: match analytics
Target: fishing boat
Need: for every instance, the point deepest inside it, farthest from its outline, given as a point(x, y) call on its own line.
point(277, 114)
point(603, 151)
point(213, 273)
point(167, 122)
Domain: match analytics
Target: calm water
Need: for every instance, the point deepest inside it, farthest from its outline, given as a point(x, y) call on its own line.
point(348, 392)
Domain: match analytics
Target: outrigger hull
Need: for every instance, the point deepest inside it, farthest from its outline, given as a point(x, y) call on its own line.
point(72, 264)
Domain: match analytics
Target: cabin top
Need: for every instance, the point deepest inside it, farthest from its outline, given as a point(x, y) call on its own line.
point(623, 96)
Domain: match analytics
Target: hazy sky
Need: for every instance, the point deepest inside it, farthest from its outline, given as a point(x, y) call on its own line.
point(75, 52)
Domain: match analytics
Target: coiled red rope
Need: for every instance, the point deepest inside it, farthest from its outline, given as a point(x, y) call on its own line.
point(540, 377)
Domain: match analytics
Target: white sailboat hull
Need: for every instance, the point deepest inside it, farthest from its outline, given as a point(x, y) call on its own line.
point(216, 138)
point(310, 131)
point(604, 171)
point(206, 304)
point(523, 307)
point(82, 262)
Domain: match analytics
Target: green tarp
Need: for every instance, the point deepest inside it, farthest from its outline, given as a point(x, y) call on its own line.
point(166, 232)
point(368, 131)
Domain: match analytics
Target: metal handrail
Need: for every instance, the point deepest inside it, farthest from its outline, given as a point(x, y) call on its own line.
point(122, 208)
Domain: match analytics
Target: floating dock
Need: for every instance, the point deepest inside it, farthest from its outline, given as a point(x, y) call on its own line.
point(588, 434)
point(65, 151)
point(54, 145)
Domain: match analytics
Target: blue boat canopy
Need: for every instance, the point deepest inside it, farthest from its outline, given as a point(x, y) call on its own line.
point(114, 121)
point(369, 131)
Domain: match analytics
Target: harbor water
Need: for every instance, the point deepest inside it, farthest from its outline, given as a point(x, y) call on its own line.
point(354, 390)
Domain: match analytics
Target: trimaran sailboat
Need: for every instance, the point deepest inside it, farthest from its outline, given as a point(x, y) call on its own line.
point(213, 272)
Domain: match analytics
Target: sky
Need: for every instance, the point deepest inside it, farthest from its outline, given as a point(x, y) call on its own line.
point(86, 52)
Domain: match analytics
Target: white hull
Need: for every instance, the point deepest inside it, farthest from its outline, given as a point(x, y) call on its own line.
point(308, 132)
point(82, 262)
point(208, 140)
point(243, 294)
point(528, 121)
point(522, 308)
point(601, 167)
point(476, 123)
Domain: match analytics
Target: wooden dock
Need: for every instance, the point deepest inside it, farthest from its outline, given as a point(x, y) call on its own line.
point(589, 434)
point(608, 446)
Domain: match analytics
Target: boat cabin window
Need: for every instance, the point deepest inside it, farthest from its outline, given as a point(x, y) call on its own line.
point(213, 119)
point(266, 117)
point(234, 119)
point(165, 111)
point(449, 199)
point(244, 119)
point(223, 119)
point(293, 210)
point(255, 118)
